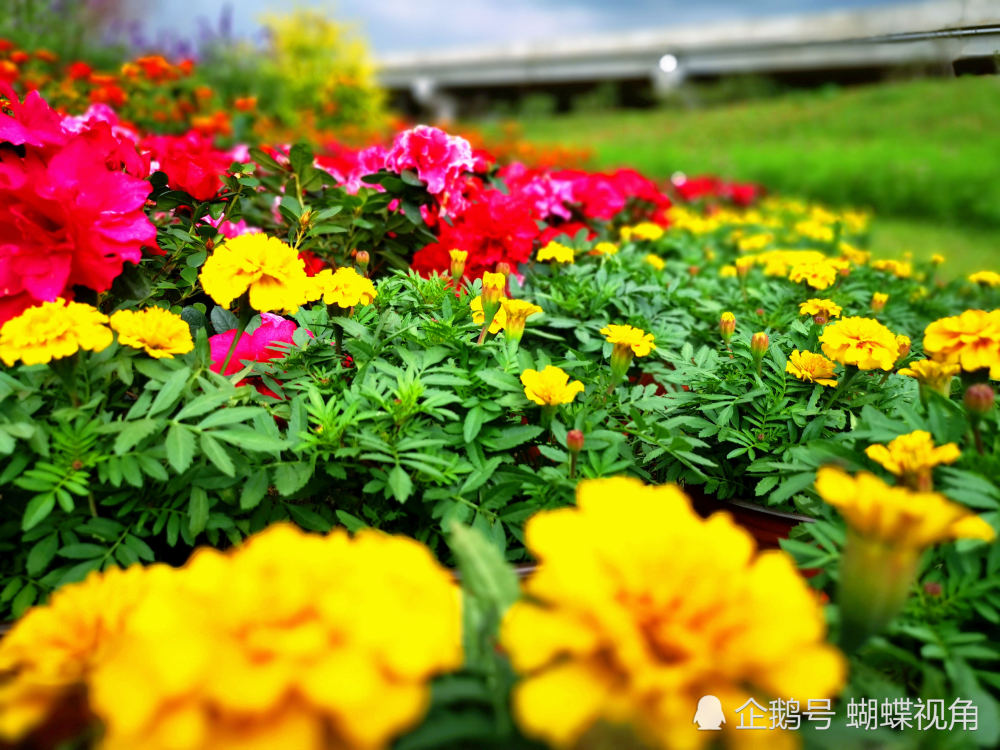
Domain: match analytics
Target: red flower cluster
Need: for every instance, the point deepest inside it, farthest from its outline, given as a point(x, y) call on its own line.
point(706, 187)
point(259, 346)
point(191, 161)
point(442, 161)
point(602, 195)
point(495, 227)
point(71, 205)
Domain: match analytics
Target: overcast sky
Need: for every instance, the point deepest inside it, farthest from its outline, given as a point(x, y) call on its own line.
point(411, 25)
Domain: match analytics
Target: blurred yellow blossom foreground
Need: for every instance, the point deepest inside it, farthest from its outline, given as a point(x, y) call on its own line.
point(293, 640)
point(632, 623)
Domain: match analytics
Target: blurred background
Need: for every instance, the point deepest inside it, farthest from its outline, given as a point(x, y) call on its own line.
point(891, 106)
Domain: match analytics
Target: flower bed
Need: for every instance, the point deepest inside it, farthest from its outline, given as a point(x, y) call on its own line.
point(500, 362)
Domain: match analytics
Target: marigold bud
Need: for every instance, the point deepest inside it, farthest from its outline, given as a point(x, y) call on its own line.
point(362, 259)
point(574, 441)
point(979, 399)
point(904, 344)
point(878, 301)
point(458, 258)
point(504, 268)
point(727, 326)
point(932, 588)
point(820, 319)
point(759, 344)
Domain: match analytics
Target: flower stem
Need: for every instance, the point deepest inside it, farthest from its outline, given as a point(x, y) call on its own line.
point(245, 313)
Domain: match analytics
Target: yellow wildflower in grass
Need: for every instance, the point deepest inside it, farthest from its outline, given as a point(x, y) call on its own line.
point(818, 275)
point(986, 278)
point(971, 340)
point(645, 230)
point(344, 287)
point(550, 387)
point(888, 529)
point(912, 458)
point(604, 248)
point(811, 367)
point(478, 317)
point(822, 310)
point(556, 252)
point(159, 332)
point(53, 330)
point(655, 261)
point(862, 342)
point(933, 375)
point(265, 266)
point(290, 640)
point(878, 301)
point(639, 607)
point(516, 313)
point(902, 269)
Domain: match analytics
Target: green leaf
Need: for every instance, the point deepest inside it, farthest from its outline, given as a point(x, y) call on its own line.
point(399, 483)
point(139, 547)
point(171, 391)
point(38, 510)
point(232, 415)
point(41, 554)
point(198, 510)
point(473, 423)
point(215, 453)
point(82, 551)
point(180, 447)
point(353, 523)
point(511, 437)
point(253, 490)
point(249, 439)
point(290, 478)
point(23, 600)
point(202, 405)
point(132, 433)
point(486, 575)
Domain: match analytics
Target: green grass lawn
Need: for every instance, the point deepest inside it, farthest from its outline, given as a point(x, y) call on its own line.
point(924, 155)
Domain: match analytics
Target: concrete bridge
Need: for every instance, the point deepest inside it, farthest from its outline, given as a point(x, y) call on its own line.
point(936, 33)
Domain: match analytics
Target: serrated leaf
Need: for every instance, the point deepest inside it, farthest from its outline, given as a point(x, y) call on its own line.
point(232, 415)
point(217, 455)
point(399, 483)
point(290, 478)
point(133, 433)
point(473, 423)
point(253, 491)
point(41, 554)
point(82, 551)
point(180, 447)
point(197, 510)
point(170, 392)
point(202, 405)
point(38, 510)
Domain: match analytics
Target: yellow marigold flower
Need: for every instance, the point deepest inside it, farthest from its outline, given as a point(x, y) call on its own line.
point(818, 275)
point(937, 259)
point(270, 269)
point(655, 261)
point(728, 272)
point(550, 387)
point(344, 287)
point(635, 339)
point(862, 342)
point(933, 375)
point(53, 330)
point(815, 230)
point(161, 333)
point(290, 640)
point(778, 262)
point(754, 242)
point(633, 622)
point(605, 248)
point(896, 515)
point(478, 317)
point(811, 367)
point(645, 230)
point(986, 278)
point(853, 254)
point(517, 312)
point(878, 301)
point(494, 285)
point(899, 268)
point(971, 340)
point(743, 266)
point(820, 309)
point(912, 457)
point(556, 252)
